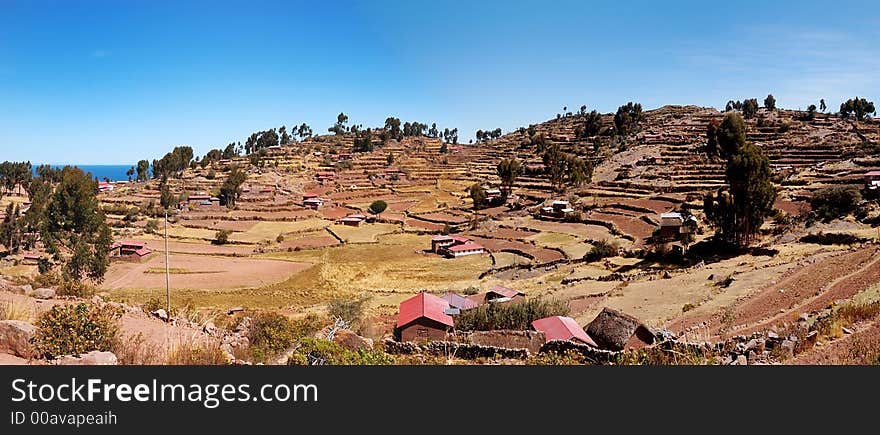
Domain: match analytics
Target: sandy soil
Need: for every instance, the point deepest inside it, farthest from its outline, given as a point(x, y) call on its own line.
point(202, 272)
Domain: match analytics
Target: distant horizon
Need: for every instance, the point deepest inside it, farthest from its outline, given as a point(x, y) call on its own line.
point(127, 81)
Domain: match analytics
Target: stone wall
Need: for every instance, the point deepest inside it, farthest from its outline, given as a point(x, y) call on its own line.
point(453, 349)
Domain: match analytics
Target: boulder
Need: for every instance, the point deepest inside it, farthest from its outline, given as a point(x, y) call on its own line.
point(741, 360)
point(210, 328)
point(93, 358)
point(161, 313)
point(43, 293)
point(349, 340)
point(23, 290)
point(15, 337)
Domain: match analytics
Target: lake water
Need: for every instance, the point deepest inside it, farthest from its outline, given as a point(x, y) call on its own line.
point(113, 172)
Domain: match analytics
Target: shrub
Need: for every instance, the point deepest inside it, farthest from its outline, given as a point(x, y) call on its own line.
point(152, 226)
point(134, 349)
point(471, 290)
point(192, 353)
point(518, 316)
point(272, 333)
point(832, 239)
point(280, 238)
point(75, 288)
point(835, 202)
point(350, 310)
point(687, 307)
point(600, 250)
point(76, 329)
point(222, 237)
point(571, 357)
point(211, 175)
point(313, 351)
point(378, 206)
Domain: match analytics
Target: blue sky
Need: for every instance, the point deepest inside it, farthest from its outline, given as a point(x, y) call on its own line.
point(110, 82)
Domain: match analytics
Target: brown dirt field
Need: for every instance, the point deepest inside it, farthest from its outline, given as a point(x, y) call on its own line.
point(504, 233)
point(657, 205)
point(632, 226)
point(762, 308)
point(336, 212)
point(401, 206)
point(205, 273)
point(542, 255)
point(588, 231)
point(445, 217)
point(430, 226)
point(792, 207)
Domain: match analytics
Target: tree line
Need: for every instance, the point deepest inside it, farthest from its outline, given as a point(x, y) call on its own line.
point(65, 216)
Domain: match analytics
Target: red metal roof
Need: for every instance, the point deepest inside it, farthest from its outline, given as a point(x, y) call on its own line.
point(143, 252)
point(505, 291)
point(465, 247)
point(873, 174)
point(562, 328)
point(440, 238)
point(423, 305)
point(461, 239)
point(350, 219)
point(132, 243)
point(309, 195)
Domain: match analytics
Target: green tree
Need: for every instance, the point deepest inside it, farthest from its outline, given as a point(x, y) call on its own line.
point(166, 198)
point(477, 194)
point(508, 170)
point(285, 138)
point(627, 118)
point(230, 191)
point(730, 135)
point(129, 173)
point(712, 138)
point(76, 231)
point(749, 108)
point(770, 102)
point(377, 207)
point(739, 211)
point(230, 151)
point(811, 112)
point(143, 170)
point(363, 142)
point(822, 105)
point(835, 202)
point(859, 108)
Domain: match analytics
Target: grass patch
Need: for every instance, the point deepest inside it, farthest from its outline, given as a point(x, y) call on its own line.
point(13, 311)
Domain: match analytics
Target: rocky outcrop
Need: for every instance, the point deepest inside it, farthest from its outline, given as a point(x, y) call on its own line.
point(93, 358)
point(15, 338)
point(42, 293)
point(351, 341)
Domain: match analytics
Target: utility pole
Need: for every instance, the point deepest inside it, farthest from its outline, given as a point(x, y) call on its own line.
point(167, 271)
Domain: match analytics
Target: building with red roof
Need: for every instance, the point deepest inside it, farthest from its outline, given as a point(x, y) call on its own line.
point(872, 180)
point(130, 248)
point(456, 251)
point(455, 246)
point(562, 328)
point(423, 317)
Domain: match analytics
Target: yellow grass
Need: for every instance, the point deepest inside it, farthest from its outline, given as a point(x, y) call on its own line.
point(20, 270)
point(504, 259)
point(268, 230)
point(363, 234)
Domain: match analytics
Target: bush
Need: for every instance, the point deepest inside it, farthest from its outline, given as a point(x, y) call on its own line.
point(191, 353)
point(76, 329)
point(835, 202)
point(471, 290)
point(270, 333)
point(313, 351)
point(75, 288)
point(134, 349)
point(687, 307)
point(378, 206)
point(222, 237)
point(152, 226)
point(280, 238)
point(600, 250)
point(517, 316)
point(350, 310)
point(832, 239)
